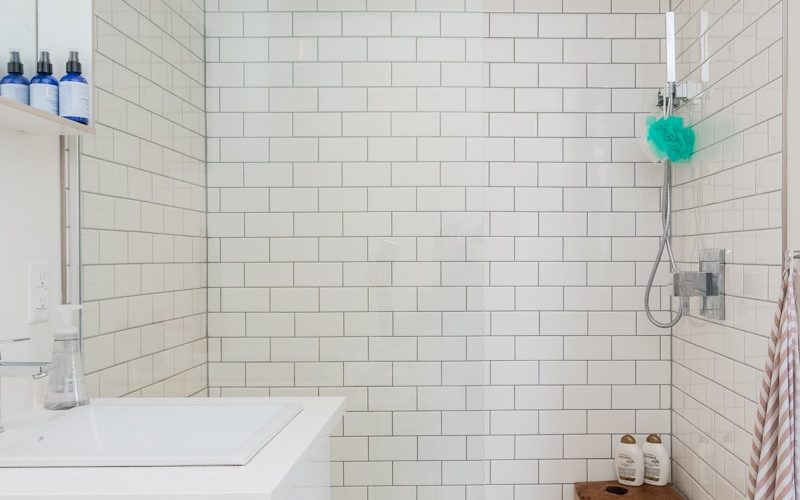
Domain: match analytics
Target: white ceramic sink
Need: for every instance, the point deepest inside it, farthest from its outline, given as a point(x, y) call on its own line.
point(164, 432)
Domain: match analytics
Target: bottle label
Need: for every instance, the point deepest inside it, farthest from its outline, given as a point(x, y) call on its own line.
point(652, 468)
point(626, 467)
point(74, 99)
point(45, 97)
point(16, 92)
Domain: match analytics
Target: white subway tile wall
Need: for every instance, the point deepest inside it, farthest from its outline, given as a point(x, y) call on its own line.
point(440, 209)
point(728, 196)
point(143, 227)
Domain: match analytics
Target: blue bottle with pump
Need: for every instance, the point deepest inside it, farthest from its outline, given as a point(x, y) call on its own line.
point(73, 96)
point(14, 85)
point(44, 88)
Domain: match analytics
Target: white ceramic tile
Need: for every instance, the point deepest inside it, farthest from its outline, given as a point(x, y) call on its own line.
point(404, 249)
point(159, 169)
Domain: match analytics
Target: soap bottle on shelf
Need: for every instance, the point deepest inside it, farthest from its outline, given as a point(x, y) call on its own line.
point(656, 461)
point(66, 388)
point(14, 85)
point(44, 88)
point(629, 462)
point(73, 96)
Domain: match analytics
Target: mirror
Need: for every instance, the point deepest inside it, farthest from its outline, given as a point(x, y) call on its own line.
point(18, 32)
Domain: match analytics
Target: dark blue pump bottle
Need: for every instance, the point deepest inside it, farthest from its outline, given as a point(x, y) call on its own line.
point(14, 85)
point(74, 92)
point(44, 88)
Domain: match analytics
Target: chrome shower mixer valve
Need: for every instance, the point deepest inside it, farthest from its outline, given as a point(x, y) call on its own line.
point(708, 283)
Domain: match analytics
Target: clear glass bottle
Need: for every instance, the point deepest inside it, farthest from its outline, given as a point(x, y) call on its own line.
point(66, 387)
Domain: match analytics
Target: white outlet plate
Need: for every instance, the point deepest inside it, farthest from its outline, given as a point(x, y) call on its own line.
point(38, 291)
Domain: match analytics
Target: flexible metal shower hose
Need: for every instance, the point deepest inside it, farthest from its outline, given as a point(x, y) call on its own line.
point(666, 224)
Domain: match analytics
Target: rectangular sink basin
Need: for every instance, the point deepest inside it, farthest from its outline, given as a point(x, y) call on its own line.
point(151, 433)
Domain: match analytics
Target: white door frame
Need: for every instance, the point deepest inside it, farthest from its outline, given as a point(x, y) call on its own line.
point(791, 125)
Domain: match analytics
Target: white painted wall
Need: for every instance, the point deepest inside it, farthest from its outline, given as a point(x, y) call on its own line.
point(30, 223)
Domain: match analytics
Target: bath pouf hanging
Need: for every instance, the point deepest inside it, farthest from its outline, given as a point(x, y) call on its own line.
point(670, 139)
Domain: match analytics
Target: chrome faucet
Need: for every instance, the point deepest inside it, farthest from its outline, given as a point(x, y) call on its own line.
point(35, 369)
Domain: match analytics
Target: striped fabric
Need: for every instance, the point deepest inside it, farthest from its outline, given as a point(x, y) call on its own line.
point(775, 463)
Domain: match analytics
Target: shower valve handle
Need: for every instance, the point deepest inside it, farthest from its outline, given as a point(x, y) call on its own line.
point(695, 284)
point(708, 283)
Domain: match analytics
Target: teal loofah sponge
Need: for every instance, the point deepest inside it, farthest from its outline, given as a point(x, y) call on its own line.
point(670, 139)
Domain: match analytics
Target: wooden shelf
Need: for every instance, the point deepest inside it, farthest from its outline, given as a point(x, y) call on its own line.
point(597, 491)
point(22, 118)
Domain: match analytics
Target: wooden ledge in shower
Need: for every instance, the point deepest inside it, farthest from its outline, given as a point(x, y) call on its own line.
point(608, 490)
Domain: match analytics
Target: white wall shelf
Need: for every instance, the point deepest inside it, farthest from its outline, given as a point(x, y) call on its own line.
point(22, 118)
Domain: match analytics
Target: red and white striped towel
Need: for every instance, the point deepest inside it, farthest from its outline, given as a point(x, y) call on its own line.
point(775, 459)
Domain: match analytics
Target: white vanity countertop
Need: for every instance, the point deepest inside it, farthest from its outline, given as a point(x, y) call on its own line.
point(265, 472)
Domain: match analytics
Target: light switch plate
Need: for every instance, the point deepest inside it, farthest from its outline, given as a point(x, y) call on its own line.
point(38, 291)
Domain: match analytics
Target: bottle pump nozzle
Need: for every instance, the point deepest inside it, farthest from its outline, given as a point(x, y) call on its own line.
point(44, 65)
point(73, 64)
point(15, 63)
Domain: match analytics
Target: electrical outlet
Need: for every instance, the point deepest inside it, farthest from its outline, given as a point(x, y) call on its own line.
point(38, 292)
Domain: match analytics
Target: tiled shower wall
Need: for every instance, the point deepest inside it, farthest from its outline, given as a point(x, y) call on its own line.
point(440, 209)
point(143, 244)
point(573, 223)
point(727, 197)
point(345, 223)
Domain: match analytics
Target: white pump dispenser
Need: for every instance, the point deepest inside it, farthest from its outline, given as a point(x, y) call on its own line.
point(66, 388)
point(69, 320)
